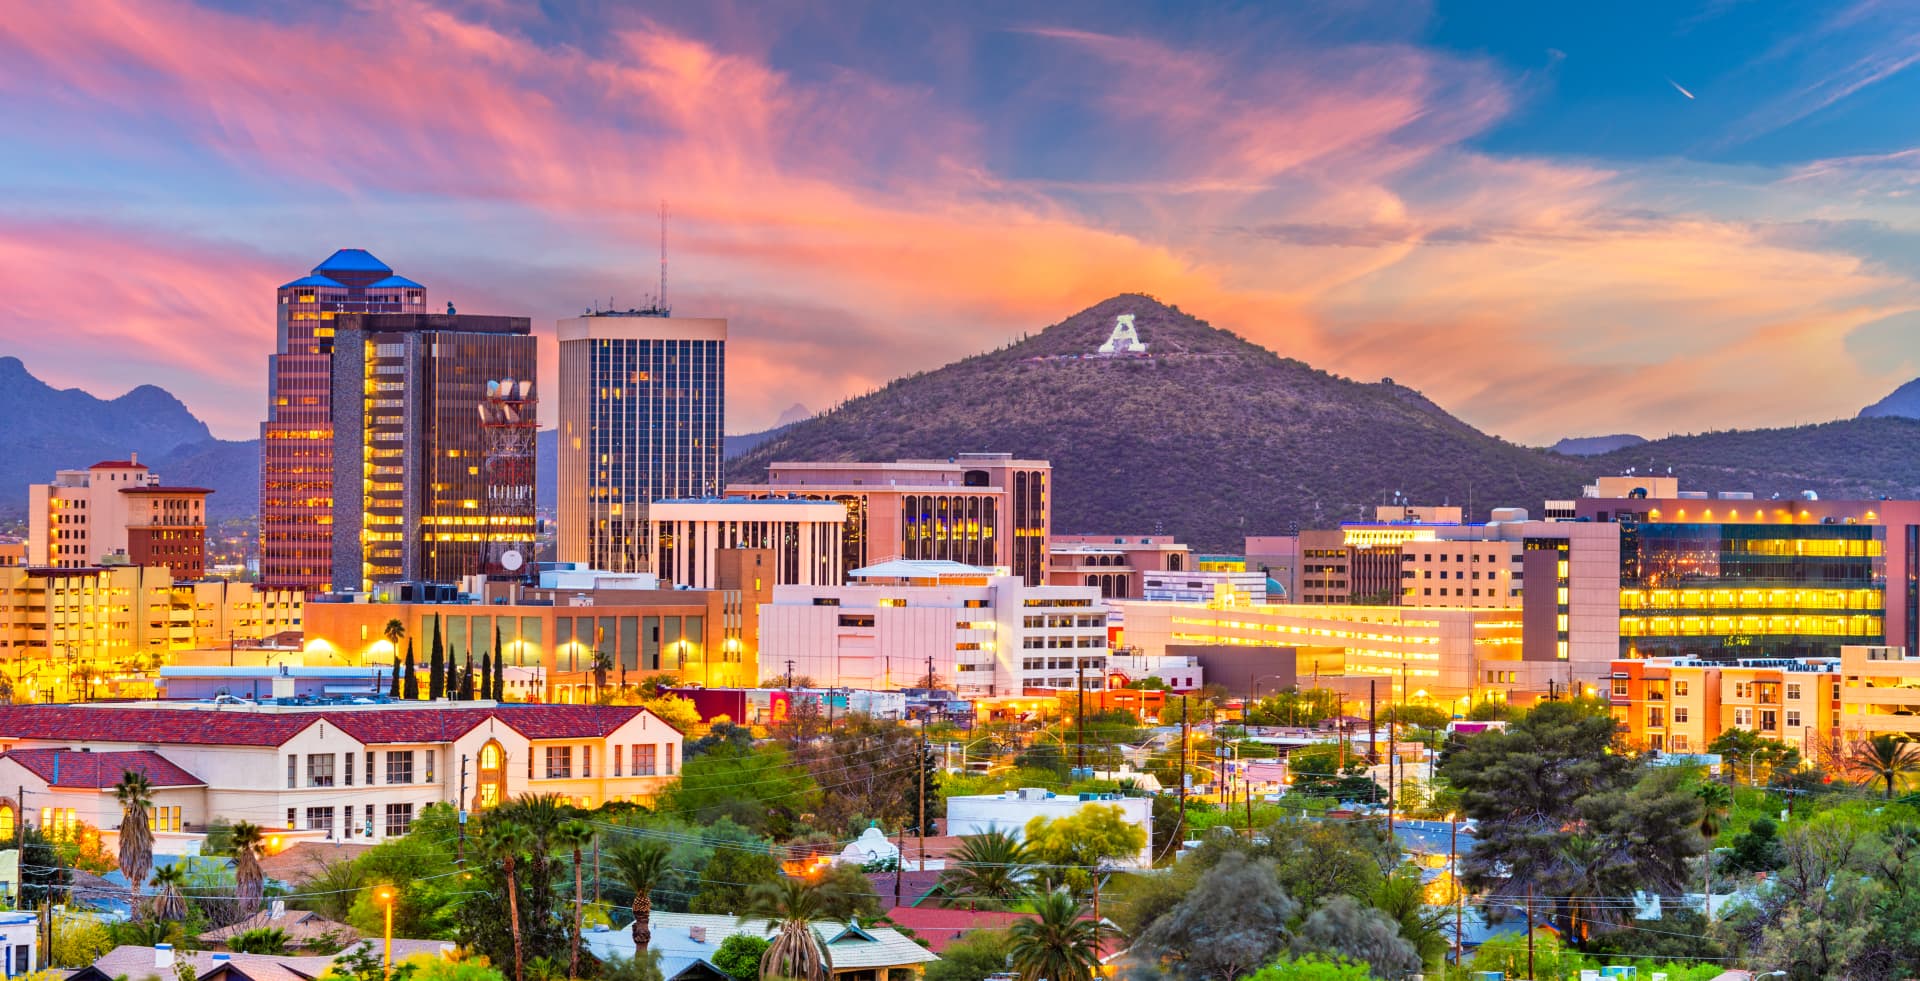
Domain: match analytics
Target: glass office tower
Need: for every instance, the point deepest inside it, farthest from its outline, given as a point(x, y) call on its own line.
point(642, 419)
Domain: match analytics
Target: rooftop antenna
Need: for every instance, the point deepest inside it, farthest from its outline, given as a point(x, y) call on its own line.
point(663, 253)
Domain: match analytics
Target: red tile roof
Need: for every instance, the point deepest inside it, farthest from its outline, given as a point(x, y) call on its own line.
point(99, 771)
point(940, 926)
point(162, 489)
point(117, 465)
point(240, 727)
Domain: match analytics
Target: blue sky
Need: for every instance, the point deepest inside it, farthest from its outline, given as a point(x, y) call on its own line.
point(1512, 207)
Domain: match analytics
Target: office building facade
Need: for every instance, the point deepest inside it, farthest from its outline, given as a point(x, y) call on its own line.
point(642, 418)
point(414, 496)
point(296, 441)
point(1118, 564)
point(803, 537)
point(980, 509)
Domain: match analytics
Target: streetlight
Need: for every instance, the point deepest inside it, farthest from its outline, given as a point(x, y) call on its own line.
point(384, 896)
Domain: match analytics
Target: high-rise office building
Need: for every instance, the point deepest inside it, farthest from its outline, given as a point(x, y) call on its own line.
point(296, 441)
point(415, 398)
point(117, 512)
point(642, 419)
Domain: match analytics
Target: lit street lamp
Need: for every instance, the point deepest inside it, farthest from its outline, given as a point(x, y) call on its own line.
point(384, 896)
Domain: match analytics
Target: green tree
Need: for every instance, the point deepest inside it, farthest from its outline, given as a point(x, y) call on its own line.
point(135, 794)
point(739, 956)
point(486, 677)
point(1295, 707)
point(259, 940)
point(410, 685)
point(1087, 838)
point(1752, 758)
point(759, 788)
point(1316, 859)
point(1235, 918)
point(1056, 944)
point(466, 677)
point(1333, 773)
point(499, 666)
point(1342, 927)
point(1417, 716)
point(973, 957)
point(1312, 967)
point(790, 906)
point(1402, 898)
point(991, 869)
point(78, 941)
point(249, 880)
point(642, 967)
point(730, 878)
point(508, 845)
point(641, 866)
point(675, 711)
point(1884, 759)
point(168, 902)
point(575, 835)
point(847, 894)
point(436, 664)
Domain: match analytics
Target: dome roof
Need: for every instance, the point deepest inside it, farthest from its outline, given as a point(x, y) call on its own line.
point(352, 260)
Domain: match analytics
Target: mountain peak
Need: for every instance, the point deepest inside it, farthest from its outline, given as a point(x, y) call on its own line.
point(1903, 402)
point(1164, 329)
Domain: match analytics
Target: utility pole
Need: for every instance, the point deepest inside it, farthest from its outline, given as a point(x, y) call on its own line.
point(1459, 893)
point(460, 810)
point(923, 792)
point(1529, 931)
point(789, 672)
point(1080, 716)
point(1180, 826)
point(1373, 717)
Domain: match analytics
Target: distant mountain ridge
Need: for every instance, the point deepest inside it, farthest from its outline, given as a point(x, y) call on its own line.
point(1903, 402)
point(47, 429)
point(1211, 438)
point(1595, 445)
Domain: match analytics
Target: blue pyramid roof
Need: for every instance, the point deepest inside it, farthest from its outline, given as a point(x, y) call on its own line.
point(353, 260)
point(315, 280)
point(393, 282)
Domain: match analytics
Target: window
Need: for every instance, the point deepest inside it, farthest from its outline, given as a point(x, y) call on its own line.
point(1742, 689)
point(433, 756)
point(559, 762)
point(586, 761)
point(1743, 717)
point(162, 818)
point(320, 770)
point(347, 778)
point(1793, 718)
point(400, 766)
point(619, 764)
point(1679, 744)
point(369, 768)
point(320, 819)
point(7, 830)
point(1679, 689)
point(1769, 720)
point(1680, 714)
point(645, 761)
point(346, 826)
point(290, 819)
point(1793, 691)
point(1619, 687)
point(668, 757)
point(399, 819)
point(293, 772)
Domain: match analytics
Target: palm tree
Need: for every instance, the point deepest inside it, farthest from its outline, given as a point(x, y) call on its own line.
point(642, 866)
point(576, 834)
point(135, 793)
point(393, 631)
point(249, 882)
point(168, 901)
point(1884, 758)
point(790, 906)
point(992, 867)
point(1715, 801)
point(1056, 944)
point(506, 843)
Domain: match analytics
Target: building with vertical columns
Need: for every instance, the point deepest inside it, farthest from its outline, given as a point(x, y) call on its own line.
point(642, 419)
point(117, 512)
point(980, 509)
point(412, 497)
point(689, 537)
point(296, 441)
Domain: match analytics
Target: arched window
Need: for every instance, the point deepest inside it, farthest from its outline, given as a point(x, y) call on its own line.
point(8, 829)
point(492, 786)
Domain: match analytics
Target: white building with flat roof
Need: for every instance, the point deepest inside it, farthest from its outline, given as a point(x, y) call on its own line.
point(984, 632)
point(805, 536)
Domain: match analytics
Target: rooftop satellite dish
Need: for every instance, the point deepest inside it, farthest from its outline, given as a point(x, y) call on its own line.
point(511, 560)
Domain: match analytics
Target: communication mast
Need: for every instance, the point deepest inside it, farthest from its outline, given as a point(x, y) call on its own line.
point(509, 426)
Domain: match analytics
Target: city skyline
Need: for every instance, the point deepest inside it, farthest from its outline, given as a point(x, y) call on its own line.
point(1650, 221)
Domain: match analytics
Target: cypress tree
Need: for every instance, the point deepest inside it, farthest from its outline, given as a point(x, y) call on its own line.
point(394, 691)
point(499, 672)
point(466, 678)
point(411, 688)
point(436, 665)
point(486, 676)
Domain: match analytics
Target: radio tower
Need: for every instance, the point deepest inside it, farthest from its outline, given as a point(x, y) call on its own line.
point(663, 258)
point(509, 427)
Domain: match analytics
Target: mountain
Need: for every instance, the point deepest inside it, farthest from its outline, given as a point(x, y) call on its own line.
point(47, 429)
point(1595, 445)
point(1208, 437)
point(1212, 438)
point(795, 413)
point(1904, 402)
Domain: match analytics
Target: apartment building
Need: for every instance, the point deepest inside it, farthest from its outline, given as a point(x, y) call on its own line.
point(1118, 564)
point(1680, 705)
point(340, 773)
point(117, 512)
point(985, 633)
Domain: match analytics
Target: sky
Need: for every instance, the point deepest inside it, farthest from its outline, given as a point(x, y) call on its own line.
point(1552, 219)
